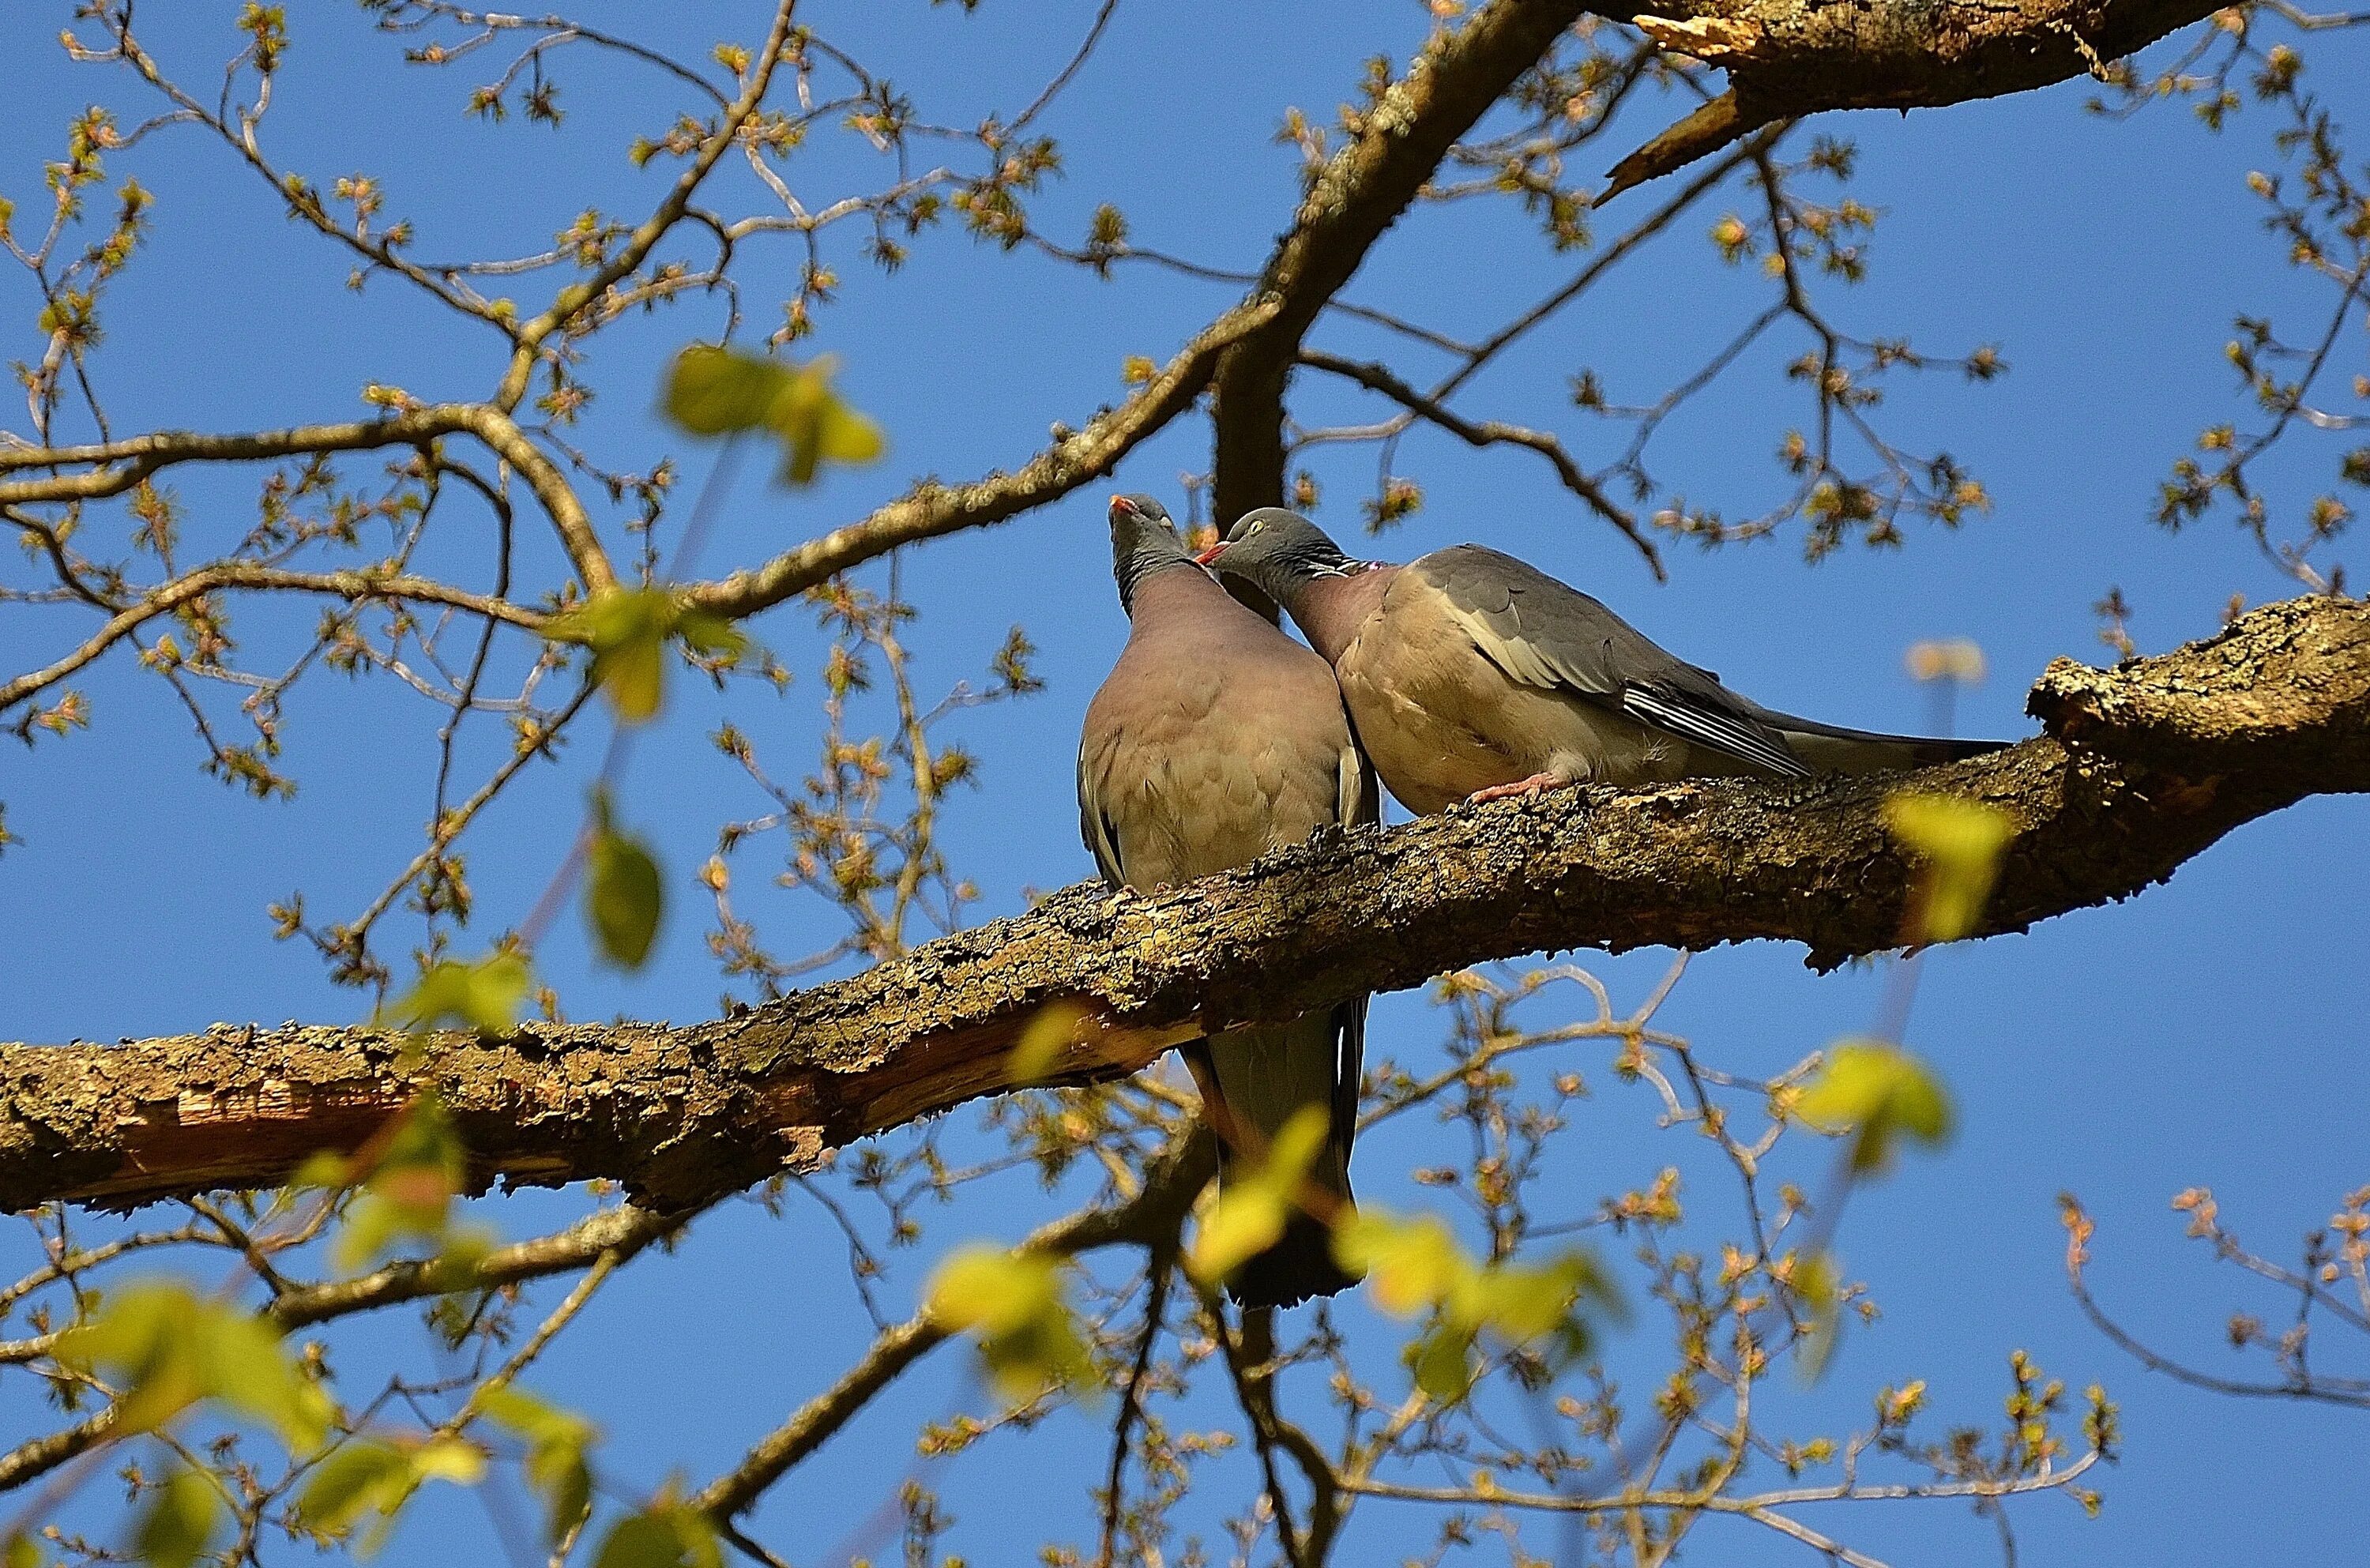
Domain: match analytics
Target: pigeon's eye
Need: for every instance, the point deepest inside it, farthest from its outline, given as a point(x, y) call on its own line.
point(1257, 524)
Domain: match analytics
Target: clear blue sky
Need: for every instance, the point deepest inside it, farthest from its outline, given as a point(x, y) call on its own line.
point(2207, 1034)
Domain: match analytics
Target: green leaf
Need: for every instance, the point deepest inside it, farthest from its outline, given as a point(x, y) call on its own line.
point(627, 630)
point(1961, 843)
point(244, 1367)
point(167, 1349)
point(356, 1478)
point(1258, 1199)
point(1877, 1092)
point(1816, 1281)
point(623, 896)
point(369, 1475)
point(1528, 1302)
point(722, 391)
point(717, 391)
point(410, 1193)
point(1442, 1360)
point(556, 1443)
point(1012, 1303)
point(481, 994)
point(815, 426)
point(178, 1522)
point(20, 1551)
point(666, 1535)
point(1048, 1034)
point(711, 635)
point(1409, 1264)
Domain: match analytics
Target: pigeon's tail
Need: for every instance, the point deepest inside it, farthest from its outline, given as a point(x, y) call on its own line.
point(1831, 748)
point(1262, 1077)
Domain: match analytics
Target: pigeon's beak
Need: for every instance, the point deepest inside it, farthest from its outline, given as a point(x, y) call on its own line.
point(1210, 557)
point(1122, 507)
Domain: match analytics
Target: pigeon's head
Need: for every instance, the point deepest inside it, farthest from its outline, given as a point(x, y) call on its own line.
point(1279, 551)
point(1144, 540)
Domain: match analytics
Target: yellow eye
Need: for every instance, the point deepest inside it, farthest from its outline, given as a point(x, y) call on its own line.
point(1257, 524)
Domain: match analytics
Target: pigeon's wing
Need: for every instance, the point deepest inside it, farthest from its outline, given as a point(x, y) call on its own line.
point(1094, 824)
point(1545, 634)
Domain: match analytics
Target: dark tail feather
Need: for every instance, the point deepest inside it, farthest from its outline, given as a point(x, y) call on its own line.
point(1260, 1076)
point(1831, 748)
point(1298, 1266)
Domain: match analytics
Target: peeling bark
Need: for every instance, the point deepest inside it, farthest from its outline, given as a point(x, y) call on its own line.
point(2144, 766)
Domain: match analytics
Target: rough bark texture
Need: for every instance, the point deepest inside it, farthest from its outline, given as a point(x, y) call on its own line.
point(1786, 58)
point(2144, 766)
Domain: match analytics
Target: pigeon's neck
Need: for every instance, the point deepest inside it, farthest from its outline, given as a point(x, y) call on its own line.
point(1330, 609)
point(1170, 584)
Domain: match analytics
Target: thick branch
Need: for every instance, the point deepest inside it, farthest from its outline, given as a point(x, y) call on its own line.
point(1358, 194)
point(1786, 58)
point(2146, 766)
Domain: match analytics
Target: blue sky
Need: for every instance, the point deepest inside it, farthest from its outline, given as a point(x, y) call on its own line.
point(2206, 1033)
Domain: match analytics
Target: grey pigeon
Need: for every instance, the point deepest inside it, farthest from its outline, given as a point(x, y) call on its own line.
point(1215, 739)
point(1472, 675)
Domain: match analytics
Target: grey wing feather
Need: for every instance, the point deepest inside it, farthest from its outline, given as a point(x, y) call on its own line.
point(1547, 634)
point(1102, 840)
point(1360, 805)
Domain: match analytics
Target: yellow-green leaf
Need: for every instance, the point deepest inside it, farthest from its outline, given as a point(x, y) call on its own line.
point(719, 391)
point(1816, 1281)
point(1877, 1092)
point(448, 1459)
point(369, 1475)
point(665, 1535)
point(1528, 1302)
point(20, 1551)
point(358, 1476)
point(1960, 842)
point(1042, 1042)
point(716, 391)
point(627, 630)
point(1442, 1360)
point(815, 425)
point(1257, 1199)
point(482, 994)
point(1410, 1264)
point(624, 897)
point(178, 1522)
point(410, 1191)
point(166, 1349)
point(1012, 1303)
point(555, 1444)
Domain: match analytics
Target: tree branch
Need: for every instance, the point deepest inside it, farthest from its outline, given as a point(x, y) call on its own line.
point(1490, 433)
point(1786, 58)
point(1148, 1219)
point(355, 585)
point(2146, 766)
point(1361, 192)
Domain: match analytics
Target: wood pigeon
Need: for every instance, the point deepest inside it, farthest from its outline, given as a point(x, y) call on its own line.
point(1215, 739)
point(1471, 676)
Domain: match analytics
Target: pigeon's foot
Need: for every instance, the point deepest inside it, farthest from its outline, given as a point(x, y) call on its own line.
point(1531, 786)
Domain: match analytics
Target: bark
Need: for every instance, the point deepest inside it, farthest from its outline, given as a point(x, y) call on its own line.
point(2144, 766)
point(1787, 58)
